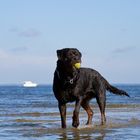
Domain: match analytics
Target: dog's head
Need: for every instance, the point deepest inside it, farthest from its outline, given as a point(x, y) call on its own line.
point(69, 57)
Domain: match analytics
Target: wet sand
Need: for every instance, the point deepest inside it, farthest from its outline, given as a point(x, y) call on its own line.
point(123, 122)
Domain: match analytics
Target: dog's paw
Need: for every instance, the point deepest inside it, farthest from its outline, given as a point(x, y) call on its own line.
point(75, 123)
point(64, 126)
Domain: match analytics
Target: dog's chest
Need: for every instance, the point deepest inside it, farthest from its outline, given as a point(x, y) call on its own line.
point(68, 96)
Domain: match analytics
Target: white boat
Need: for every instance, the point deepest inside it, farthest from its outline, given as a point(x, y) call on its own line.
point(29, 84)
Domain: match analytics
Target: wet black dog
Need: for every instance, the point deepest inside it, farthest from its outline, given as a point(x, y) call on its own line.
point(72, 83)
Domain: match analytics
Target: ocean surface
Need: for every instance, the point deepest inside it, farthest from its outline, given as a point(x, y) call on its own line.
point(32, 114)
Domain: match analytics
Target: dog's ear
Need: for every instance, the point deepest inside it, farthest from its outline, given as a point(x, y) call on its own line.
point(80, 54)
point(59, 54)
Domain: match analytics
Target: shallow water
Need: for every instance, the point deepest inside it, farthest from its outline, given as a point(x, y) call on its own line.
point(32, 113)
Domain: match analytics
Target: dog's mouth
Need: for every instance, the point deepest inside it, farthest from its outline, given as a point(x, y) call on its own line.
point(77, 65)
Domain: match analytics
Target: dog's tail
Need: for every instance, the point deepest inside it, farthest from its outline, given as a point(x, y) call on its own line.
point(115, 90)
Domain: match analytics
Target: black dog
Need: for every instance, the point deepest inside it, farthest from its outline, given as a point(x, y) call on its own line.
point(72, 83)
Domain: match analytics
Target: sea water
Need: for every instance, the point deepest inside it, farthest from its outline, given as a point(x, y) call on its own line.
point(32, 113)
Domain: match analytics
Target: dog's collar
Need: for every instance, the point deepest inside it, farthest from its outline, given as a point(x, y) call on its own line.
point(68, 81)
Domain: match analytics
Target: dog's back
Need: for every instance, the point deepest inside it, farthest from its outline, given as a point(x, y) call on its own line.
point(72, 83)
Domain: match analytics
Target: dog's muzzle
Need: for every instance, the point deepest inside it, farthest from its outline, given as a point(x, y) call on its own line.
point(77, 65)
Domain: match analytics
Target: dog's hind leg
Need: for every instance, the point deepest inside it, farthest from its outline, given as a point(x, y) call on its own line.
point(101, 100)
point(86, 106)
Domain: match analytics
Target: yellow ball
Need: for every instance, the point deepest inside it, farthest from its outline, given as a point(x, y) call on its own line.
point(77, 65)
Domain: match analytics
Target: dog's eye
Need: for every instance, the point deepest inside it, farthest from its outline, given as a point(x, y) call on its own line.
point(75, 53)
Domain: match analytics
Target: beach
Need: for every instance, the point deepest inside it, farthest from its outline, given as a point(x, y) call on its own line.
point(32, 114)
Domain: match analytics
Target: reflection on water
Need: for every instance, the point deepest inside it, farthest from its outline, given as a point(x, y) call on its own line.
point(45, 126)
point(62, 134)
point(81, 135)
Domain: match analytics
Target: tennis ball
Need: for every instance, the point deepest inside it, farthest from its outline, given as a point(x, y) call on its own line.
point(77, 65)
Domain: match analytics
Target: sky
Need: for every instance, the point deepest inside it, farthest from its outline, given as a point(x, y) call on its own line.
point(107, 33)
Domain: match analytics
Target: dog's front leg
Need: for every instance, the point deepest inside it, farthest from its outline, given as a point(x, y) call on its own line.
point(75, 122)
point(62, 109)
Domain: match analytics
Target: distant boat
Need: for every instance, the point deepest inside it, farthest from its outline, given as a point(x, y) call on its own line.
point(29, 84)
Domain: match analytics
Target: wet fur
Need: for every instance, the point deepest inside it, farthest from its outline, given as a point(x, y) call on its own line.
point(86, 84)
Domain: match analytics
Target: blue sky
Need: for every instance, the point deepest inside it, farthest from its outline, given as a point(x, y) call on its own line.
point(107, 32)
